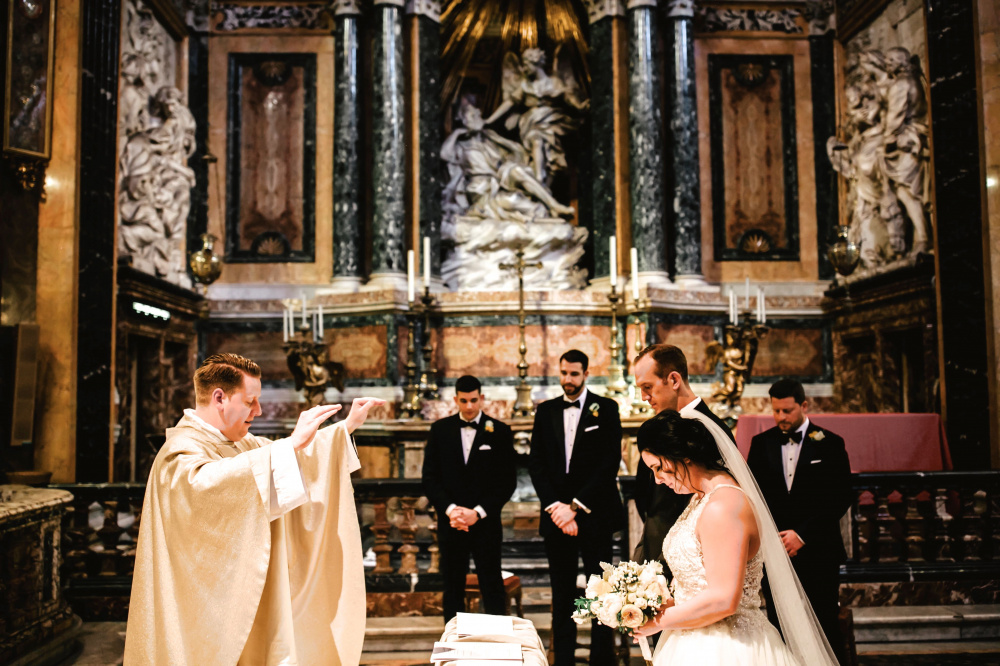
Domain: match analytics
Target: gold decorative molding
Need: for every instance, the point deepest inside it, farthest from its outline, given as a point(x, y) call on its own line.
point(29, 172)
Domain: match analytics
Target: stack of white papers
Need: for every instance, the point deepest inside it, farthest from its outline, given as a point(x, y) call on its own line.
point(481, 624)
point(469, 653)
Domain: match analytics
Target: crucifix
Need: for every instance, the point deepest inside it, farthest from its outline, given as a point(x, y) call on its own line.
point(523, 406)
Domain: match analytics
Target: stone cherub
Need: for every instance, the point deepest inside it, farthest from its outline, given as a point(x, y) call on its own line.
point(313, 371)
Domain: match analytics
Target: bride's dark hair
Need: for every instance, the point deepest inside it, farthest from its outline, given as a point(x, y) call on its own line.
point(682, 441)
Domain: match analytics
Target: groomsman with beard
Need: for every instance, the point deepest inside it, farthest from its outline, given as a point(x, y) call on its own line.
point(469, 474)
point(805, 476)
point(661, 375)
point(575, 456)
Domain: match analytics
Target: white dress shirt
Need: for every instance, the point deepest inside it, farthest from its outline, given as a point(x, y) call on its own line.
point(790, 451)
point(468, 438)
point(288, 487)
point(571, 421)
point(686, 410)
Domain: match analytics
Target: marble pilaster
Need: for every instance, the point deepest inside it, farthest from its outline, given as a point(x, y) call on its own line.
point(388, 146)
point(427, 73)
point(348, 251)
point(951, 47)
point(197, 222)
point(683, 170)
point(604, 72)
point(824, 107)
point(646, 142)
point(101, 35)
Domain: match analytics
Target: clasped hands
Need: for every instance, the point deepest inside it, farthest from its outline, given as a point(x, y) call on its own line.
point(791, 541)
point(564, 516)
point(462, 518)
point(310, 420)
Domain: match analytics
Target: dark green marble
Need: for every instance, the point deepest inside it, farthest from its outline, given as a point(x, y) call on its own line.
point(430, 129)
point(824, 107)
point(646, 141)
point(347, 250)
point(602, 141)
point(388, 142)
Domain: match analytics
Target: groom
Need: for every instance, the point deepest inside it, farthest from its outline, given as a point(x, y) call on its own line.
point(661, 375)
point(575, 455)
point(805, 476)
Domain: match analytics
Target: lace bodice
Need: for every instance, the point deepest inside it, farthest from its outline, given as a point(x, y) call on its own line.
point(682, 550)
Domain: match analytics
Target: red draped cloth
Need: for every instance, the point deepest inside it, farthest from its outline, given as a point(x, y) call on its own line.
point(875, 442)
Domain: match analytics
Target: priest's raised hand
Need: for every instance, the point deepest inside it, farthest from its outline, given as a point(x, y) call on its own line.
point(249, 550)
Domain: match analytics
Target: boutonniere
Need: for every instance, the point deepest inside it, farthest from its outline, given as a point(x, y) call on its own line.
point(489, 426)
point(817, 436)
point(595, 409)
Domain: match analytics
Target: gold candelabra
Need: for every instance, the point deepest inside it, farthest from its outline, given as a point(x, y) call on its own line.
point(737, 352)
point(428, 386)
point(616, 373)
point(523, 406)
point(411, 392)
point(639, 406)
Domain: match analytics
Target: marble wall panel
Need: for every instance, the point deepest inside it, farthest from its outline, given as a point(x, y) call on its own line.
point(220, 47)
point(807, 267)
point(901, 23)
point(793, 352)
point(362, 350)
point(263, 347)
point(692, 339)
point(492, 351)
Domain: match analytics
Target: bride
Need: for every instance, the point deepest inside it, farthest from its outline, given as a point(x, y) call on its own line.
point(717, 551)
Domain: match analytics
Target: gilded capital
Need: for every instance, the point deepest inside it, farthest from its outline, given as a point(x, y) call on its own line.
point(599, 9)
point(429, 8)
point(680, 8)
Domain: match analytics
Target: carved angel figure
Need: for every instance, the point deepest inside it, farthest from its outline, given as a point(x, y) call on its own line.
point(737, 354)
point(543, 107)
point(313, 371)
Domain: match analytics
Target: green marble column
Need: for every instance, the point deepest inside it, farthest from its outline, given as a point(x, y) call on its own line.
point(646, 143)
point(426, 96)
point(683, 181)
point(388, 146)
point(603, 121)
point(348, 252)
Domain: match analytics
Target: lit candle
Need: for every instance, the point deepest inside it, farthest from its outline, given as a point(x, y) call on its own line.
point(427, 261)
point(410, 282)
point(321, 323)
point(634, 256)
point(613, 268)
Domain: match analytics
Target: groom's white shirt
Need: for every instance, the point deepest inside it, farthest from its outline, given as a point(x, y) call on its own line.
point(790, 451)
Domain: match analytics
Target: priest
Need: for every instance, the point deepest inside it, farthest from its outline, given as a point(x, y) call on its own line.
point(249, 550)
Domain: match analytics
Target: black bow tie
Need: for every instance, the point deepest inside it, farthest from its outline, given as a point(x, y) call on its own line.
point(795, 436)
point(470, 424)
point(575, 403)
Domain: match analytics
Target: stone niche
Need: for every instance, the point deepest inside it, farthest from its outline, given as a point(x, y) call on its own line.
point(36, 625)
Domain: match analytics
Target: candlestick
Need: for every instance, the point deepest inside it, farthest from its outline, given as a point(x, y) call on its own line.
point(613, 268)
point(427, 261)
point(634, 256)
point(411, 290)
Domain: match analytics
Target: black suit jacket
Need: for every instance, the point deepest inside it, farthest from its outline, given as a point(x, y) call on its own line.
point(820, 494)
point(593, 467)
point(658, 505)
point(487, 480)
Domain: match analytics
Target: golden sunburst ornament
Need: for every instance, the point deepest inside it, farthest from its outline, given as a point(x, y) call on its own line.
point(755, 241)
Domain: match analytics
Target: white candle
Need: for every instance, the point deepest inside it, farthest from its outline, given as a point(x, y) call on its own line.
point(427, 261)
point(763, 306)
point(613, 268)
point(747, 290)
point(410, 283)
point(634, 256)
point(284, 324)
point(321, 323)
point(732, 307)
point(303, 307)
point(315, 327)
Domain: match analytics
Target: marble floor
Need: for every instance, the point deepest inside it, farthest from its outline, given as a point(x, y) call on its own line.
point(104, 642)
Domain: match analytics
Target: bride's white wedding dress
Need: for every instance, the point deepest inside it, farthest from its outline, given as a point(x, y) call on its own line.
point(745, 638)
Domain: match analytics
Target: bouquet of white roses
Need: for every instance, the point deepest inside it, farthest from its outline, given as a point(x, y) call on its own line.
point(624, 597)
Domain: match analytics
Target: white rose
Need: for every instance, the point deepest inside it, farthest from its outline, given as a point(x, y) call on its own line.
point(640, 602)
point(632, 616)
point(647, 576)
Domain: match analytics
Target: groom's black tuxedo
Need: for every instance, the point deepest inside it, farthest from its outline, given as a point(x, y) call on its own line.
point(819, 496)
point(658, 505)
point(487, 480)
point(592, 481)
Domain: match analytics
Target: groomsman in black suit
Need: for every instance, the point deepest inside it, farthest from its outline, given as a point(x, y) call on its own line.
point(575, 455)
point(805, 476)
point(661, 375)
point(469, 475)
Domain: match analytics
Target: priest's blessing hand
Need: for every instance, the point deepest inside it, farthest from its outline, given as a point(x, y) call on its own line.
point(309, 422)
point(359, 412)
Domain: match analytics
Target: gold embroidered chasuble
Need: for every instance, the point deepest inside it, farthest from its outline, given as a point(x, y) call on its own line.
point(218, 582)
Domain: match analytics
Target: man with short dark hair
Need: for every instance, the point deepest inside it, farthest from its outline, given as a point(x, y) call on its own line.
point(249, 550)
point(661, 375)
point(469, 474)
point(805, 476)
point(575, 453)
